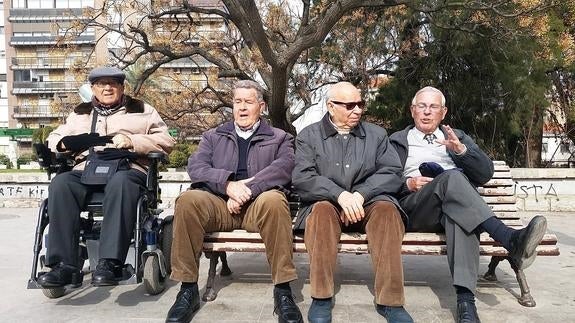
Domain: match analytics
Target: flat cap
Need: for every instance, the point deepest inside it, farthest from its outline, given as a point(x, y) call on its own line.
point(107, 71)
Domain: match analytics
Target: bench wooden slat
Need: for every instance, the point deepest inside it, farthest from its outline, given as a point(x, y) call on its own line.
point(503, 207)
point(410, 237)
point(500, 199)
point(502, 175)
point(495, 191)
point(499, 182)
point(542, 250)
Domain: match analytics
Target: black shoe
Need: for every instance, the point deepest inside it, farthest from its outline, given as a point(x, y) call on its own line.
point(524, 244)
point(394, 314)
point(320, 311)
point(60, 276)
point(467, 313)
point(108, 272)
point(187, 302)
point(285, 307)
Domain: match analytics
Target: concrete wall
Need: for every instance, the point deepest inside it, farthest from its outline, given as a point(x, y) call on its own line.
point(544, 189)
point(549, 189)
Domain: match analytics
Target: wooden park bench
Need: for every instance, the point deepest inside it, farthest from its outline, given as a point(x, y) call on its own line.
point(498, 193)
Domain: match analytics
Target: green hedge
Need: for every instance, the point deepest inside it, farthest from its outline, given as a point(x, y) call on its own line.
point(4, 160)
point(179, 156)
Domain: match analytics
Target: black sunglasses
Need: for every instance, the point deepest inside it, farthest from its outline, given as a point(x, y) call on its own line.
point(351, 105)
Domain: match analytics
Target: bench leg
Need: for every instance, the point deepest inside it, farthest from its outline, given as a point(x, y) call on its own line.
point(490, 274)
point(525, 299)
point(210, 294)
point(225, 271)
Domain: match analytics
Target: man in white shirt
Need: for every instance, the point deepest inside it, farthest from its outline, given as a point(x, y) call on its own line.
point(450, 202)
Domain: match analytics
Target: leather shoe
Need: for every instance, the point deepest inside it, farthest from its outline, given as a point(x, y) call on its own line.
point(108, 272)
point(320, 311)
point(524, 244)
point(187, 302)
point(285, 307)
point(467, 313)
point(394, 314)
point(60, 276)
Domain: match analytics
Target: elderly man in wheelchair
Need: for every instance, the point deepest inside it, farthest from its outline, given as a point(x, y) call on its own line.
point(110, 140)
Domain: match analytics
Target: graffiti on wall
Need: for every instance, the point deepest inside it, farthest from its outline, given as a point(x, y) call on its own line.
point(24, 191)
point(545, 191)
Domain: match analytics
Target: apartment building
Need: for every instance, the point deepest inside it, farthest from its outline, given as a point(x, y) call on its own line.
point(43, 73)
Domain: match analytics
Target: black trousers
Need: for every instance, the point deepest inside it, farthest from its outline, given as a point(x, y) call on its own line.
point(452, 204)
point(66, 200)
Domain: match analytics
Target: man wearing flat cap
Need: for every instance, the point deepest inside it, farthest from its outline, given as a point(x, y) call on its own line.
point(111, 119)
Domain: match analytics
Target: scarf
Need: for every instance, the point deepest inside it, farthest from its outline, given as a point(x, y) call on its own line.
point(104, 110)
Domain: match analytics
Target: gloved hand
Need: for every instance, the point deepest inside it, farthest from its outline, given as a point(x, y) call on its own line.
point(113, 153)
point(83, 141)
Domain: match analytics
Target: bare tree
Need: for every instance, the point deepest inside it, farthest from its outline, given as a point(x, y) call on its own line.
point(279, 43)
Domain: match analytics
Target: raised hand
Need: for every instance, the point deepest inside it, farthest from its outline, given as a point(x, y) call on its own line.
point(452, 143)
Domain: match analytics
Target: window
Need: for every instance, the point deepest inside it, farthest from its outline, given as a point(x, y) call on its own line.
point(22, 75)
point(74, 3)
point(544, 148)
point(564, 148)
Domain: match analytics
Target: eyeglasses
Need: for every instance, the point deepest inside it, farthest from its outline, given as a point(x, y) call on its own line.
point(351, 105)
point(102, 83)
point(432, 107)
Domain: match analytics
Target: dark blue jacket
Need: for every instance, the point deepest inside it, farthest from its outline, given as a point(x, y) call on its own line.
point(476, 165)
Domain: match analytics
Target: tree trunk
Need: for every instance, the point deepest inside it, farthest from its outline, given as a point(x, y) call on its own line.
point(277, 102)
point(534, 140)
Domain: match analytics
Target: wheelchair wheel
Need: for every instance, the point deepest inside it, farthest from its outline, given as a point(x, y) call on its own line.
point(54, 292)
point(153, 282)
point(166, 241)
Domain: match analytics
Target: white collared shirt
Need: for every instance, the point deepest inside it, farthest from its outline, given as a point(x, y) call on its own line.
point(419, 151)
point(248, 132)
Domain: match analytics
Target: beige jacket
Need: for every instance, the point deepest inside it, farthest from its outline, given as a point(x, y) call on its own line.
point(136, 119)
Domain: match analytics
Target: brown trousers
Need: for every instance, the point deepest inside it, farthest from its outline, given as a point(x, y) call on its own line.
point(384, 228)
point(198, 212)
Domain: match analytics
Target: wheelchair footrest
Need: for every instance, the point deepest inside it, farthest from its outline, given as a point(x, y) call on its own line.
point(129, 276)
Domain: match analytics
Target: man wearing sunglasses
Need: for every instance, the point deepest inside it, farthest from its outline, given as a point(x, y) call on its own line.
point(345, 174)
point(449, 201)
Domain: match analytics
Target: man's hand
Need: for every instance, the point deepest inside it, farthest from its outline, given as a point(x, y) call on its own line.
point(452, 143)
point(122, 141)
point(414, 184)
point(238, 191)
point(233, 206)
point(352, 206)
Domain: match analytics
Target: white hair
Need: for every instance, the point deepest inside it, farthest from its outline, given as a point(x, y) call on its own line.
point(429, 89)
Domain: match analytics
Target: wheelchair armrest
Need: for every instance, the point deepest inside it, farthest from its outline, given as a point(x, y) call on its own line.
point(157, 157)
point(53, 162)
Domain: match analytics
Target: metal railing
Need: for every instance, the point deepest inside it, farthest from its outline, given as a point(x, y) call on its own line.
point(37, 111)
point(50, 62)
point(50, 40)
point(51, 14)
point(21, 87)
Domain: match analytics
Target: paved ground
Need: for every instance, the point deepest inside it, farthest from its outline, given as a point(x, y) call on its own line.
point(247, 295)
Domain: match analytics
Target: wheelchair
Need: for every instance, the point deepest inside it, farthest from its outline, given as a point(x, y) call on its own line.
point(150, 244)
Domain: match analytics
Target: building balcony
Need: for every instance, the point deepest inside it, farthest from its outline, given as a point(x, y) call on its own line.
point(49, 62)
point(31, 87)
point(50, 40)
point(194, 62)
point(46, 15)
point(37, 111)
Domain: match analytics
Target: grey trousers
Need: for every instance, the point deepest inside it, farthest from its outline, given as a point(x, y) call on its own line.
point(450, 203)
point(67, 198)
